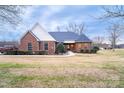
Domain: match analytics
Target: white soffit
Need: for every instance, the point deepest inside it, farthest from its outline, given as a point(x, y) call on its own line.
point(69, 41)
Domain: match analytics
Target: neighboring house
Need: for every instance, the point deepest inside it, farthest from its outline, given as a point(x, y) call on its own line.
point(8, 45)
point(37, 39)
point(121, 46)
point(105, 46)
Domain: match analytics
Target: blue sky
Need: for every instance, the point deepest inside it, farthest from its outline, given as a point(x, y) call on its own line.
point(51, 16)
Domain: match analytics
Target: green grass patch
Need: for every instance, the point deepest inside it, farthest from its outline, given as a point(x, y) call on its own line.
point(117, 52)
point(110, 66)
point(49, 81)
point(14, 65)
point(12, 80)
point(119, 69)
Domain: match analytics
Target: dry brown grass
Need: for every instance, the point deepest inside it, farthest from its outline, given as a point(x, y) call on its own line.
point(105, 69)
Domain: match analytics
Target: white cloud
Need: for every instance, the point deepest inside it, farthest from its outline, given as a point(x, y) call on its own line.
point(51, 10)
point(52, 24)
point(28, 11)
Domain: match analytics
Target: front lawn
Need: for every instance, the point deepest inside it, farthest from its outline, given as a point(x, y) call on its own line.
point(105, 69)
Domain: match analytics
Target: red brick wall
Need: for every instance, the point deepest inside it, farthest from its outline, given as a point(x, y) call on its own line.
point(51, 46)
point(28, 38)
point(80, 46)
point(36, 46)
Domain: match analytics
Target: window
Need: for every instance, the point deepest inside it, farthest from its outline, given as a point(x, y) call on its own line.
point(85, 44)
point(45, 45)
point(79, 45)
point(29, 46)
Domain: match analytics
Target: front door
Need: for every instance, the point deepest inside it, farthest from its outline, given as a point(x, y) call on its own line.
point(70, 46)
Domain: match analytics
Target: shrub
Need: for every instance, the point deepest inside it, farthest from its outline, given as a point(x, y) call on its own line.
point(60, 48)
point(18, 52)
point(96, 48)
point(10, 53)
point(85, 50)
point(93, 50)
point(82, 51)
point(25, 53)
point(40, 53)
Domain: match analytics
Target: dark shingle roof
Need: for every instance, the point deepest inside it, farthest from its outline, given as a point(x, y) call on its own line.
point(83, 38)
point(69, 36)
point(63, 36)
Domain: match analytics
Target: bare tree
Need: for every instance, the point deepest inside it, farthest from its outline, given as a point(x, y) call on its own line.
point(58, 28)
point(114, 32)
point(98, 40)
point(72, 27)
point(11, 14)
point(113, 12)
point(116, 28)
point(77, 28)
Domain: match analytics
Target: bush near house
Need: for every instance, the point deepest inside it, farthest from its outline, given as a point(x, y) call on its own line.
point(18, 52)
point(60, 49)
point(40, 53)
point(96, 48)
point(85, 51)
point(93, 50)
point(25, 52)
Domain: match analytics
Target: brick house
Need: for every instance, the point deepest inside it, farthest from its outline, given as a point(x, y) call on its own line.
point(37, 39)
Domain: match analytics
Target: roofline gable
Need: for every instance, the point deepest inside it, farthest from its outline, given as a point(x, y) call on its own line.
point(24, 34)
point(35, 36)
point(30, 33)
point(36, 25)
